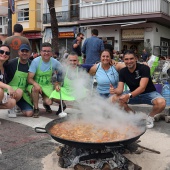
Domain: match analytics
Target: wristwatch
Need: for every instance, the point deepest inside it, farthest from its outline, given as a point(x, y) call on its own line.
point(130, 95)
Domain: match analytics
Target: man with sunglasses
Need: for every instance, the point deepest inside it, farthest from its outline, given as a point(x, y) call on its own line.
point(17, 72)
point(77, 46)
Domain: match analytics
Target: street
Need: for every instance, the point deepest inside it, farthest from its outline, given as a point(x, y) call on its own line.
point(21, 148)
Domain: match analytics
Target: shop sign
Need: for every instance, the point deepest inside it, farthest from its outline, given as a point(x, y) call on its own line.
point(133, 34)
point(33, 35)
point(66, 35)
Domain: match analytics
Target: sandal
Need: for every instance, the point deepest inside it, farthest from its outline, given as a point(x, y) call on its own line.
point(47, 108)
point(36, 113)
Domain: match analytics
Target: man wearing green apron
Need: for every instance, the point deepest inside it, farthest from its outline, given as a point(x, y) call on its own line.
point(17, 72)
point(40, 77)
point(68, 90)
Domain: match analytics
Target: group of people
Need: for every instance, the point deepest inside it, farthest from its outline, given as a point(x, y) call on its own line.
point(22, 81)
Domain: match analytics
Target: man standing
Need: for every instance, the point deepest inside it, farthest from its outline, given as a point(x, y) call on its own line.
point(77, 46)
point(40, 77)
point(16, 40)
point(108, 46)
point(145, 56)
point(92, 48)
point(142, 90)
point(17, 72)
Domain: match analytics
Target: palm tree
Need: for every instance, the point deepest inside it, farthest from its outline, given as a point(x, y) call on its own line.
point(54, 26)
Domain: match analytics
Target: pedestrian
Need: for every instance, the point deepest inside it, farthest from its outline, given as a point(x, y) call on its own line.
point(108, 46)
point(76, 46)
point(142, 90)
point(92, 48)
point(7, 93)
point(40, 77)
point(15, 41)
point(17, 72)
point(144, 55)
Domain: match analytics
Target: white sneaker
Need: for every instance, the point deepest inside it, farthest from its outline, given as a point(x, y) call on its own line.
point(11, 113)
point(17, 109)
point(150, 122)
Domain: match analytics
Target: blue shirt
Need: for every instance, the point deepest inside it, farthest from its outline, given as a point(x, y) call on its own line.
point(92, 48)
point(106, 77)
point(46, 66)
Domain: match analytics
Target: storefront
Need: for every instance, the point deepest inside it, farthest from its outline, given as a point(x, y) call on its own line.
point(132, 38)
point(35, 39)
point(66, 37)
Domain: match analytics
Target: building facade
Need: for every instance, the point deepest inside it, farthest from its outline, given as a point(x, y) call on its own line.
point(67, 13)
point(28, 13)
point(3, 20)
point(129, 24)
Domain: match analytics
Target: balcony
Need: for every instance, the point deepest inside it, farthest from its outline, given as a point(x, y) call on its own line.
point(123, 8)
point(63, 16)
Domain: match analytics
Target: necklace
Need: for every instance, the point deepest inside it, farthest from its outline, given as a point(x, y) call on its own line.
point(108, 76)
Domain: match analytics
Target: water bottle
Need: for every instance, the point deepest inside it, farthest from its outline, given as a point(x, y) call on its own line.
point(166, 93)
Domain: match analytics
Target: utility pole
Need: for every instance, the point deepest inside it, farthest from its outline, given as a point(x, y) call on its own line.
point(9, 19)
point(11, 10)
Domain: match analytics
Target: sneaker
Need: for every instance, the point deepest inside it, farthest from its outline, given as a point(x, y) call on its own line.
point(59, 109)
point(150, 122)
point(17, 109)
point(11, 113)
point(36, 113)
point(47, 108)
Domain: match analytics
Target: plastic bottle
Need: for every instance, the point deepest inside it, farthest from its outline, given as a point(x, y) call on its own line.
point(166, 93)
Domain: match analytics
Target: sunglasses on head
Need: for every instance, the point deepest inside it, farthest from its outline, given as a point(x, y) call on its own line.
point(6, 52)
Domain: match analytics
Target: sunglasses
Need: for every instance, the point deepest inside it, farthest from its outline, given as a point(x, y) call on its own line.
point(6, 52)
point(82, 38)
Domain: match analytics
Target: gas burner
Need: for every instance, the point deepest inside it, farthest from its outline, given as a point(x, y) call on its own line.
point(96, 159)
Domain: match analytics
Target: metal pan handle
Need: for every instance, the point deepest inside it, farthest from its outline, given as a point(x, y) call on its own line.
point(40, 130)
point(114, 147)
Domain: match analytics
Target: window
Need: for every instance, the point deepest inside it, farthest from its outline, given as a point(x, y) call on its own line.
point(0, 20)
point(23, 14)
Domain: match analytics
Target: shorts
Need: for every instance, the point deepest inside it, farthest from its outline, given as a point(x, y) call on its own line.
point(23, 105)
point(146, 98)
point(105, 95)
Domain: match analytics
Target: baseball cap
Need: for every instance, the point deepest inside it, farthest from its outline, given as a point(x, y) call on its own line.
point(24, 47)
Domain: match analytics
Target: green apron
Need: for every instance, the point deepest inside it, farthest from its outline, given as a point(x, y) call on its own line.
point(44, 80)
point(20, 81)
point(67, 90)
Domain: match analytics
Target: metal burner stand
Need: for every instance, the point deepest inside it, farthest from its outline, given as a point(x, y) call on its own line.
point(110, 158)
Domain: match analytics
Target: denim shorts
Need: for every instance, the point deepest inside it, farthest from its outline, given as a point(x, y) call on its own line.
point(105, 95)
point(23, 105)
point(146, 98)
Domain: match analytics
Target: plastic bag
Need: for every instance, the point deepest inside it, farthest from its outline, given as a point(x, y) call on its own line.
point(151, 60)
point(165, 67)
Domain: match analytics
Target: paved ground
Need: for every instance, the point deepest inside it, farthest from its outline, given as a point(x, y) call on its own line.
point(21, 148)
